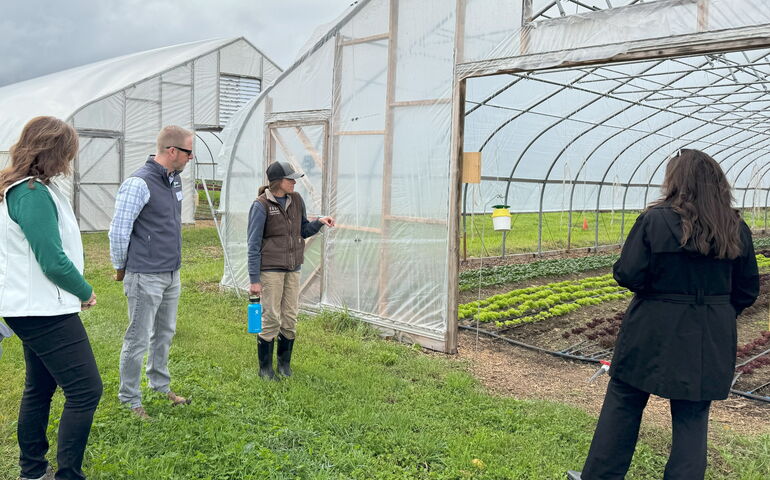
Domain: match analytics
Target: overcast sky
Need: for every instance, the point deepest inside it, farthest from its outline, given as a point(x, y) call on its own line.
point(44, 36)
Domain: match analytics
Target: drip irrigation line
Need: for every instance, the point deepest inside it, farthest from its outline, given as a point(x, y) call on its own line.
point(753, 358)
point(530, 347)
point(750, 395)
point(758, 388)
point(580, 358)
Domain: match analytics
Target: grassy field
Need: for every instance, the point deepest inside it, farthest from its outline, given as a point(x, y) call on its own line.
point(357, 407)
point(203, 210)
point(484, 241)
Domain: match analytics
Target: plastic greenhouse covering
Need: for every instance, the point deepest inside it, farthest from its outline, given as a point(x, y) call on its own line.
point(119, 105)
point(575, 106)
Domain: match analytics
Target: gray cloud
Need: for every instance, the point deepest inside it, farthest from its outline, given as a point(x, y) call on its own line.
point(42, 36)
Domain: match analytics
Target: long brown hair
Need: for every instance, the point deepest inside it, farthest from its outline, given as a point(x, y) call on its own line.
point(45, 149)
point(697, 189)
point(274, 185)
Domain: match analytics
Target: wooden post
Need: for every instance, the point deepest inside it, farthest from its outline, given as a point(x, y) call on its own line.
point(333, 154)
point(526, 19)
point(387, 162)
point(703, 15)
point(455, 188)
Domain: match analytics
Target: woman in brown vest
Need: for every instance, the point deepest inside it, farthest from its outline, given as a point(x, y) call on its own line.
point(278, 227)
point(689, 259)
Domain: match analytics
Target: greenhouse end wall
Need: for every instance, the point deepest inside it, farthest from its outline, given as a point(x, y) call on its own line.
point(388, 86)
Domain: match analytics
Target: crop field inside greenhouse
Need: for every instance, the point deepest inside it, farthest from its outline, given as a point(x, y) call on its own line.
point(572, 307)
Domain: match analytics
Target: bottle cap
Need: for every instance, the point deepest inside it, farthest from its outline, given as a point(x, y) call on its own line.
point(254, 298)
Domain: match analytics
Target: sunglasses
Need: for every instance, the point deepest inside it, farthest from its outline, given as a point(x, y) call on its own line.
point(185, 150)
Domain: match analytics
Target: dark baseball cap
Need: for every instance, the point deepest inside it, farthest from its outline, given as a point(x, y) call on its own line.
point(279, 170)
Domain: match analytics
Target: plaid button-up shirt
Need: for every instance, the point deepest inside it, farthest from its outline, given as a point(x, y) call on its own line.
point(132, 196)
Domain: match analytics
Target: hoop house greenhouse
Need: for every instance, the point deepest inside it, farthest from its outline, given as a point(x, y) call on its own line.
point(119, 105)
point(574, 106)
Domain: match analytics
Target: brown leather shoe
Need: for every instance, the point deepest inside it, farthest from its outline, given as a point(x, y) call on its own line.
point(140, 412)
point(177, 400)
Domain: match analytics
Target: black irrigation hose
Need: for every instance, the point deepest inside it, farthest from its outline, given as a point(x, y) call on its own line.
point(750, 395)
point(531, 347)
point(584, 359)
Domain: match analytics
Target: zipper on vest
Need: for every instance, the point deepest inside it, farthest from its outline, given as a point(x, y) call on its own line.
point(58, 292)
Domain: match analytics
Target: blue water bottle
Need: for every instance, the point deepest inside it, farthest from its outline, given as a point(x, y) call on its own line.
point(255, 314)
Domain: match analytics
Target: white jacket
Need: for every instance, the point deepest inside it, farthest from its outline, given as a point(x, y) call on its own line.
point(25, 291)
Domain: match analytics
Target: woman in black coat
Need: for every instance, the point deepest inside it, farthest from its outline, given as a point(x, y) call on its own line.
point(690, 261)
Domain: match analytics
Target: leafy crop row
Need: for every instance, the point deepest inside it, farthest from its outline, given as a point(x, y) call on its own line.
point(536, 303)
point(763, 242)
point(763, 261)
point(499, 275)
point(502, 274)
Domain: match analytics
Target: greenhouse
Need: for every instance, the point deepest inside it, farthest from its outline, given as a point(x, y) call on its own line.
point(572, 107)
point(119, 105)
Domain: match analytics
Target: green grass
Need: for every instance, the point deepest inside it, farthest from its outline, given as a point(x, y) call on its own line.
point(357, 407)
point(483, 241)
point(203, 210)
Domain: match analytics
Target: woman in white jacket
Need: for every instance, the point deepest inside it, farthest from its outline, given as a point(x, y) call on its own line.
point(42, 290)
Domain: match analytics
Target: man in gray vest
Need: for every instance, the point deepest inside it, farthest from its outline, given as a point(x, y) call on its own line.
point(146, 251)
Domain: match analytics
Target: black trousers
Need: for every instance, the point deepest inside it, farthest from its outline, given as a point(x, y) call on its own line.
point(618, 429)
point(56, 352)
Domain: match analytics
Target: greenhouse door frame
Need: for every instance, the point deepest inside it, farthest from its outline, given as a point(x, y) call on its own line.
point(275, 143)
point(702, 43)
point(84, 135)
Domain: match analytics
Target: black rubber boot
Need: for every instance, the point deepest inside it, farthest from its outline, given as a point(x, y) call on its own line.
point(285, 347)
point(265, 355)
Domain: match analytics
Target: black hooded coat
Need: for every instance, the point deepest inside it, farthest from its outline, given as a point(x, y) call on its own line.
point(678, 338)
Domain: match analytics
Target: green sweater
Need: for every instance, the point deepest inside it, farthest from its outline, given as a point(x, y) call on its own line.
point(35, 212)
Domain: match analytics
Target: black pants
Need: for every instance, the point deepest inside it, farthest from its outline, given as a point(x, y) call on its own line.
point(57, 352)
point(618, 429)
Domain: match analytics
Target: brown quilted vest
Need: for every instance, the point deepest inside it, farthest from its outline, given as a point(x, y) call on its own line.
point(283, 247)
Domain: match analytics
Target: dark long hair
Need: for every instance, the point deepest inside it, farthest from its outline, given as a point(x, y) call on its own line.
point(696, 188)
point(45, 149)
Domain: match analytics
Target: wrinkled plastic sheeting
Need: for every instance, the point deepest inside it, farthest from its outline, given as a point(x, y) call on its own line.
point(119, 105)
point(373, 265)
point(388, 258)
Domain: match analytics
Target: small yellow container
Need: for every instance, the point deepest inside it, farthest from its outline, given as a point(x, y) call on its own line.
point(501, 217)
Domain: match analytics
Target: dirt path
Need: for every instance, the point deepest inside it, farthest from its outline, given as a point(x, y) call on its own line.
point(508, 370)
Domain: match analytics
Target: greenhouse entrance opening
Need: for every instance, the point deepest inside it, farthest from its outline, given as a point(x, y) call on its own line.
point(97, 178)
point(578, 152)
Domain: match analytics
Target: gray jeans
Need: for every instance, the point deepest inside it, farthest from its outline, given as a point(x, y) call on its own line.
point(152, 305)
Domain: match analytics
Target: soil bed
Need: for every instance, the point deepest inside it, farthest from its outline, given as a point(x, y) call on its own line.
point(591, 331)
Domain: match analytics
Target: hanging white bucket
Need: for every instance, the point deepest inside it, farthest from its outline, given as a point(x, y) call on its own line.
point(501, 217)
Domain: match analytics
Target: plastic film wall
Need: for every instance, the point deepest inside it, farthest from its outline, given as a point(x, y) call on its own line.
point(119, 105)
point(371, 130)
point(367, 114)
